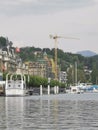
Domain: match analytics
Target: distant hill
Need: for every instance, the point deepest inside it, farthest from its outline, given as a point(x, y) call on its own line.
point(86, 53)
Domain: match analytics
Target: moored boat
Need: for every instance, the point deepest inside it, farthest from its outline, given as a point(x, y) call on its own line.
point(15, 85)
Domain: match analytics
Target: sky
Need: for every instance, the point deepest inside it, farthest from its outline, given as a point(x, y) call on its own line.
point(31, 22)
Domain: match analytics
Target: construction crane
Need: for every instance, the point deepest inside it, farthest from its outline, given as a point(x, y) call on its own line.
point(55, 38)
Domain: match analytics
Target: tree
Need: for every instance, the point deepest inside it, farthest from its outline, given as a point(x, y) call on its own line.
point(94, 76)
point(81, 76)
point(2, 42)
point(36, 81)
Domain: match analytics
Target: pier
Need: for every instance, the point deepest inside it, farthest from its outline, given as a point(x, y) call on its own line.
point(46, 90)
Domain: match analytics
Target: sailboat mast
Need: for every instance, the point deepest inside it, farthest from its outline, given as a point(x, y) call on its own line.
point(75, 73)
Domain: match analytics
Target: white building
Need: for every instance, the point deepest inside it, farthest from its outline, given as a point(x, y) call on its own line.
point(63, 76)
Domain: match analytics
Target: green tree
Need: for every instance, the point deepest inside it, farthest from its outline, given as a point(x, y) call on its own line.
point(36, 81)
point(94, 76)
point(81, 76)
point(2, 42)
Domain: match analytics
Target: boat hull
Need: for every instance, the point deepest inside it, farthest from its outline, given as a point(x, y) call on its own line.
point(15, 92)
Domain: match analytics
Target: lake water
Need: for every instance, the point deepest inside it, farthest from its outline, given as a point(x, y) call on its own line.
point(53, 112)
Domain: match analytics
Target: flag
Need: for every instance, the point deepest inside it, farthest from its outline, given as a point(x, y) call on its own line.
point(17, 49)
point(3, 68)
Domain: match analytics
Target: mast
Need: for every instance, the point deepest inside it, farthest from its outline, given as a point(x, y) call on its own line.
point(75, 73)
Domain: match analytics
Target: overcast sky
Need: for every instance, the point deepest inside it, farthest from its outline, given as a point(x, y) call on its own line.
point(30, 22)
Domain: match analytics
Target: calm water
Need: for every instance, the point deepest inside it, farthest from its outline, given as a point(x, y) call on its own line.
point(54, 112)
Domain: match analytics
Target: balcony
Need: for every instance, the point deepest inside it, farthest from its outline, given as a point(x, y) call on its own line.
point(5, 58)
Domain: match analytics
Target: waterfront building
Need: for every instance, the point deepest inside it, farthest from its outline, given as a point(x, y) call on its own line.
point(10, 62)
point(42, 67)
point(63, 76)
point(36, 68)
point(7, 62)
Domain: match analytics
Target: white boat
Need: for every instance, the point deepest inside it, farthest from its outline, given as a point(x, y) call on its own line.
point(74, 89)
point(95, 90)
point(15, 86)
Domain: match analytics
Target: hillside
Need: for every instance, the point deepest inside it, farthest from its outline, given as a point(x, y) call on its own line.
point(87, 67)
point(64, 59)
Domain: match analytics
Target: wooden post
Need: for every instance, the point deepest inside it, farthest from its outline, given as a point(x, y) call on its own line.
point(41, 93)
point(54, 89)
point(48, 89)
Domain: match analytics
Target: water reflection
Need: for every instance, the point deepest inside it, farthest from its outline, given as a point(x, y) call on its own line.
point(2, 114)
point(46, 113)
point(14, 112)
